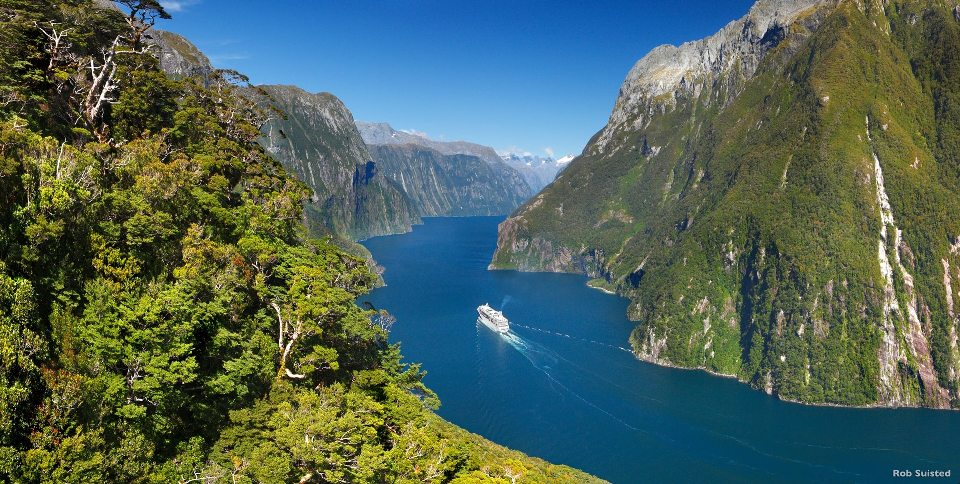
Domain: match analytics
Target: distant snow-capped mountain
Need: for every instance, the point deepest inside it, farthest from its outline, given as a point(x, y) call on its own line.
point(539, 170)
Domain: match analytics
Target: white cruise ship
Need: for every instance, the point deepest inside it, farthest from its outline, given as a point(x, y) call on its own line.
point(493, 319)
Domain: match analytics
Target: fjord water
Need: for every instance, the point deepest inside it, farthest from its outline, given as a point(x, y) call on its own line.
point(563, 386)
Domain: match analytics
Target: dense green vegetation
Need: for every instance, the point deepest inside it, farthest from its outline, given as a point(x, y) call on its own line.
point(164, 316)
point(748, 238)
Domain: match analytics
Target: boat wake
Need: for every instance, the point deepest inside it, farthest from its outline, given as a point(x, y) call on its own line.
point(564, 335)
point(545, 360)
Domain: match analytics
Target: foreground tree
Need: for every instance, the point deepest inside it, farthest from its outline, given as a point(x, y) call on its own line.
point(164, 315)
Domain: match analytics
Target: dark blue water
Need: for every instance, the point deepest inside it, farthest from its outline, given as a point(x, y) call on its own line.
point(562, 388)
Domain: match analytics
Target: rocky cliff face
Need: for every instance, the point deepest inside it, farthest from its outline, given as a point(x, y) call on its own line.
point(446, 178)
point(731, 55)
point(178, 56)
point(450, 185)
point(319, 142)
point(778, 201)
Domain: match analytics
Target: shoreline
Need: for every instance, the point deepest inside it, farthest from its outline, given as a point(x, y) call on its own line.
point(708, 371)
point(602, 289)
point(665, 364)
point(868, 406)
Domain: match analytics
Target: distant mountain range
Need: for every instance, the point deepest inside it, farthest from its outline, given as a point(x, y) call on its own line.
point(384, 134)
point(537, 171)
point(446, 178)
point(440, 184)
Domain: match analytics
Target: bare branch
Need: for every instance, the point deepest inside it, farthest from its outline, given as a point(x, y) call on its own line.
point(291, 374)
point(142, 17)
point(57, 43)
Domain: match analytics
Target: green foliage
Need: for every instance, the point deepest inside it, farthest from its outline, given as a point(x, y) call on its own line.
point(145, 108)
point(164, 314)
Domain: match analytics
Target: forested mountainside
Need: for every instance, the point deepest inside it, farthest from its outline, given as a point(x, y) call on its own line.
point(165, 316)
point(779, 201)
point(443, 178)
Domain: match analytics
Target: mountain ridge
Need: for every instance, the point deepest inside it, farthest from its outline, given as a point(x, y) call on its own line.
point(450, 184)
point(455, 178)
point(654, 78)
point(384, 134)
point(536, 176)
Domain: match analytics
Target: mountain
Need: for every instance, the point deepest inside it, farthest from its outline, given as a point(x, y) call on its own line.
point(316, 140)
point(445, 178)
point(450, 185)
point(179, 57)
point(779, 203)
point(384, 134)
point(314, 137)
point(537, 170)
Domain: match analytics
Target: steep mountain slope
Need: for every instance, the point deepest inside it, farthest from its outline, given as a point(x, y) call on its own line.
point(317, 140)
point(450, 185)
point(779, 202)
point(446, 178)
point(179, 57)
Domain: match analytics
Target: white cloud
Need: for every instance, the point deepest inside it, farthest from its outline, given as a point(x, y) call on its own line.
point(549, 151)
point(175, 6)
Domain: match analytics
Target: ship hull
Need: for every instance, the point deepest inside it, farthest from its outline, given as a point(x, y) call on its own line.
point(492, 326)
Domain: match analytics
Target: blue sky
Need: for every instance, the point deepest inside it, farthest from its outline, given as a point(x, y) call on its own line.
point(519, 74)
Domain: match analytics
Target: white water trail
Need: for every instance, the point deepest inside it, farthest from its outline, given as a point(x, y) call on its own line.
point(538, 355)
point(587, 371)
point(534, 352)
point(564, 335)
